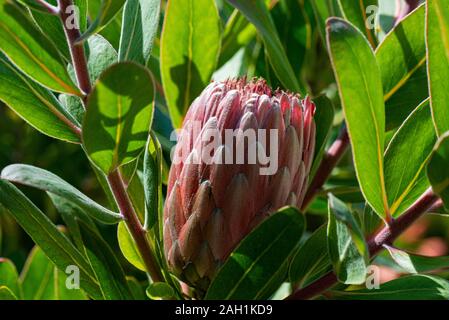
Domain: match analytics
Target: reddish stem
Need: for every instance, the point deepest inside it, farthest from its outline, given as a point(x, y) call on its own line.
point(385, 236)
point(77, 53)
point(134, 225)
point(330, 160)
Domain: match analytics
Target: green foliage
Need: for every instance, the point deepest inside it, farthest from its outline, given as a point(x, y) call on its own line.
point(360, 87)
point(122, 103)
point(190, 45)
point(258, 265)
point(437, 32)
point(382, 79)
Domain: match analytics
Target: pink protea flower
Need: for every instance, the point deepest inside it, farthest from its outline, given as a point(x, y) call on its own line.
point(217, 192)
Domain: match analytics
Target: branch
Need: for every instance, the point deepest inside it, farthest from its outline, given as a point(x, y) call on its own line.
point(79, 60)
point(115, 180)
point(387, 235)
point(330, 160)
point(134, 225)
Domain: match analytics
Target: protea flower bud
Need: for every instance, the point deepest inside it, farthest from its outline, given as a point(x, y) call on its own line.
point(244, 151)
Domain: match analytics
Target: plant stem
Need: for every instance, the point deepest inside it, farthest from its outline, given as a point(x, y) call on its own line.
point(385, 236)
point(50, 8)
point(134, 225)
point(115, 180)
point(330, 160)
point(77, 53)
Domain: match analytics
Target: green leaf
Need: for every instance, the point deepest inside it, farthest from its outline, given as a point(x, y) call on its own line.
point(190, 45)
point(139, 29)
point(438, 169)
point(405, 177)
point(105, 265)
point(402, 62)
point(437, 32)
point(31, 50)
point(51, 26)
point(136, 288)
point(356, 12)
point(257, 13)
point(152, 179)
point(416, 287)
point(128, 247)
point(322, 11)
point(71, 214)
point(105, 11)
point(312, 259)
point(160, 291)
point(293, 26)
point(9, 277)
point(35, 105)
point(7, 294)
point(45, 234)
point(346, 244)
point(324, 117)
point(360, 89)
point(44, 180)
point(237, 33)
point(259, 258)
point(119, 115)
point(34, 5)
point(41, 280)
point(413, 263)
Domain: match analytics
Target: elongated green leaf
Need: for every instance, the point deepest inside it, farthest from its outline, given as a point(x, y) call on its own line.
point(51, 25)
point(324, 117)
point(119, 116)
point(322, 11)
point(356, 12)
point(31, 50)
point(190, 45)
point(257, 13)
point(346, 244)
point(238, 32)
point(106, 266)
point(312, 259)
point(402, 62)
point(9, 277)
point(41, 280)
point(405, 178)
point(34, 104)
point(105, 11)
point(128, 247)
point(254, 263)
point(47, 181)
point(437, 32)
point(293, 26)
point(416, 287)
point(360, 89)
point(34, 5)
point(136, 288)
point(7, 294)
point(45, 234)
point(152, 177)
point(413, 263)
point(438, 169)
point(71, 214)
point(139, 28)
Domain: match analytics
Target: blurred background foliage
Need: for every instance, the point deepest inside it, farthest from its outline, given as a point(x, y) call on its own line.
point(298, 30)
